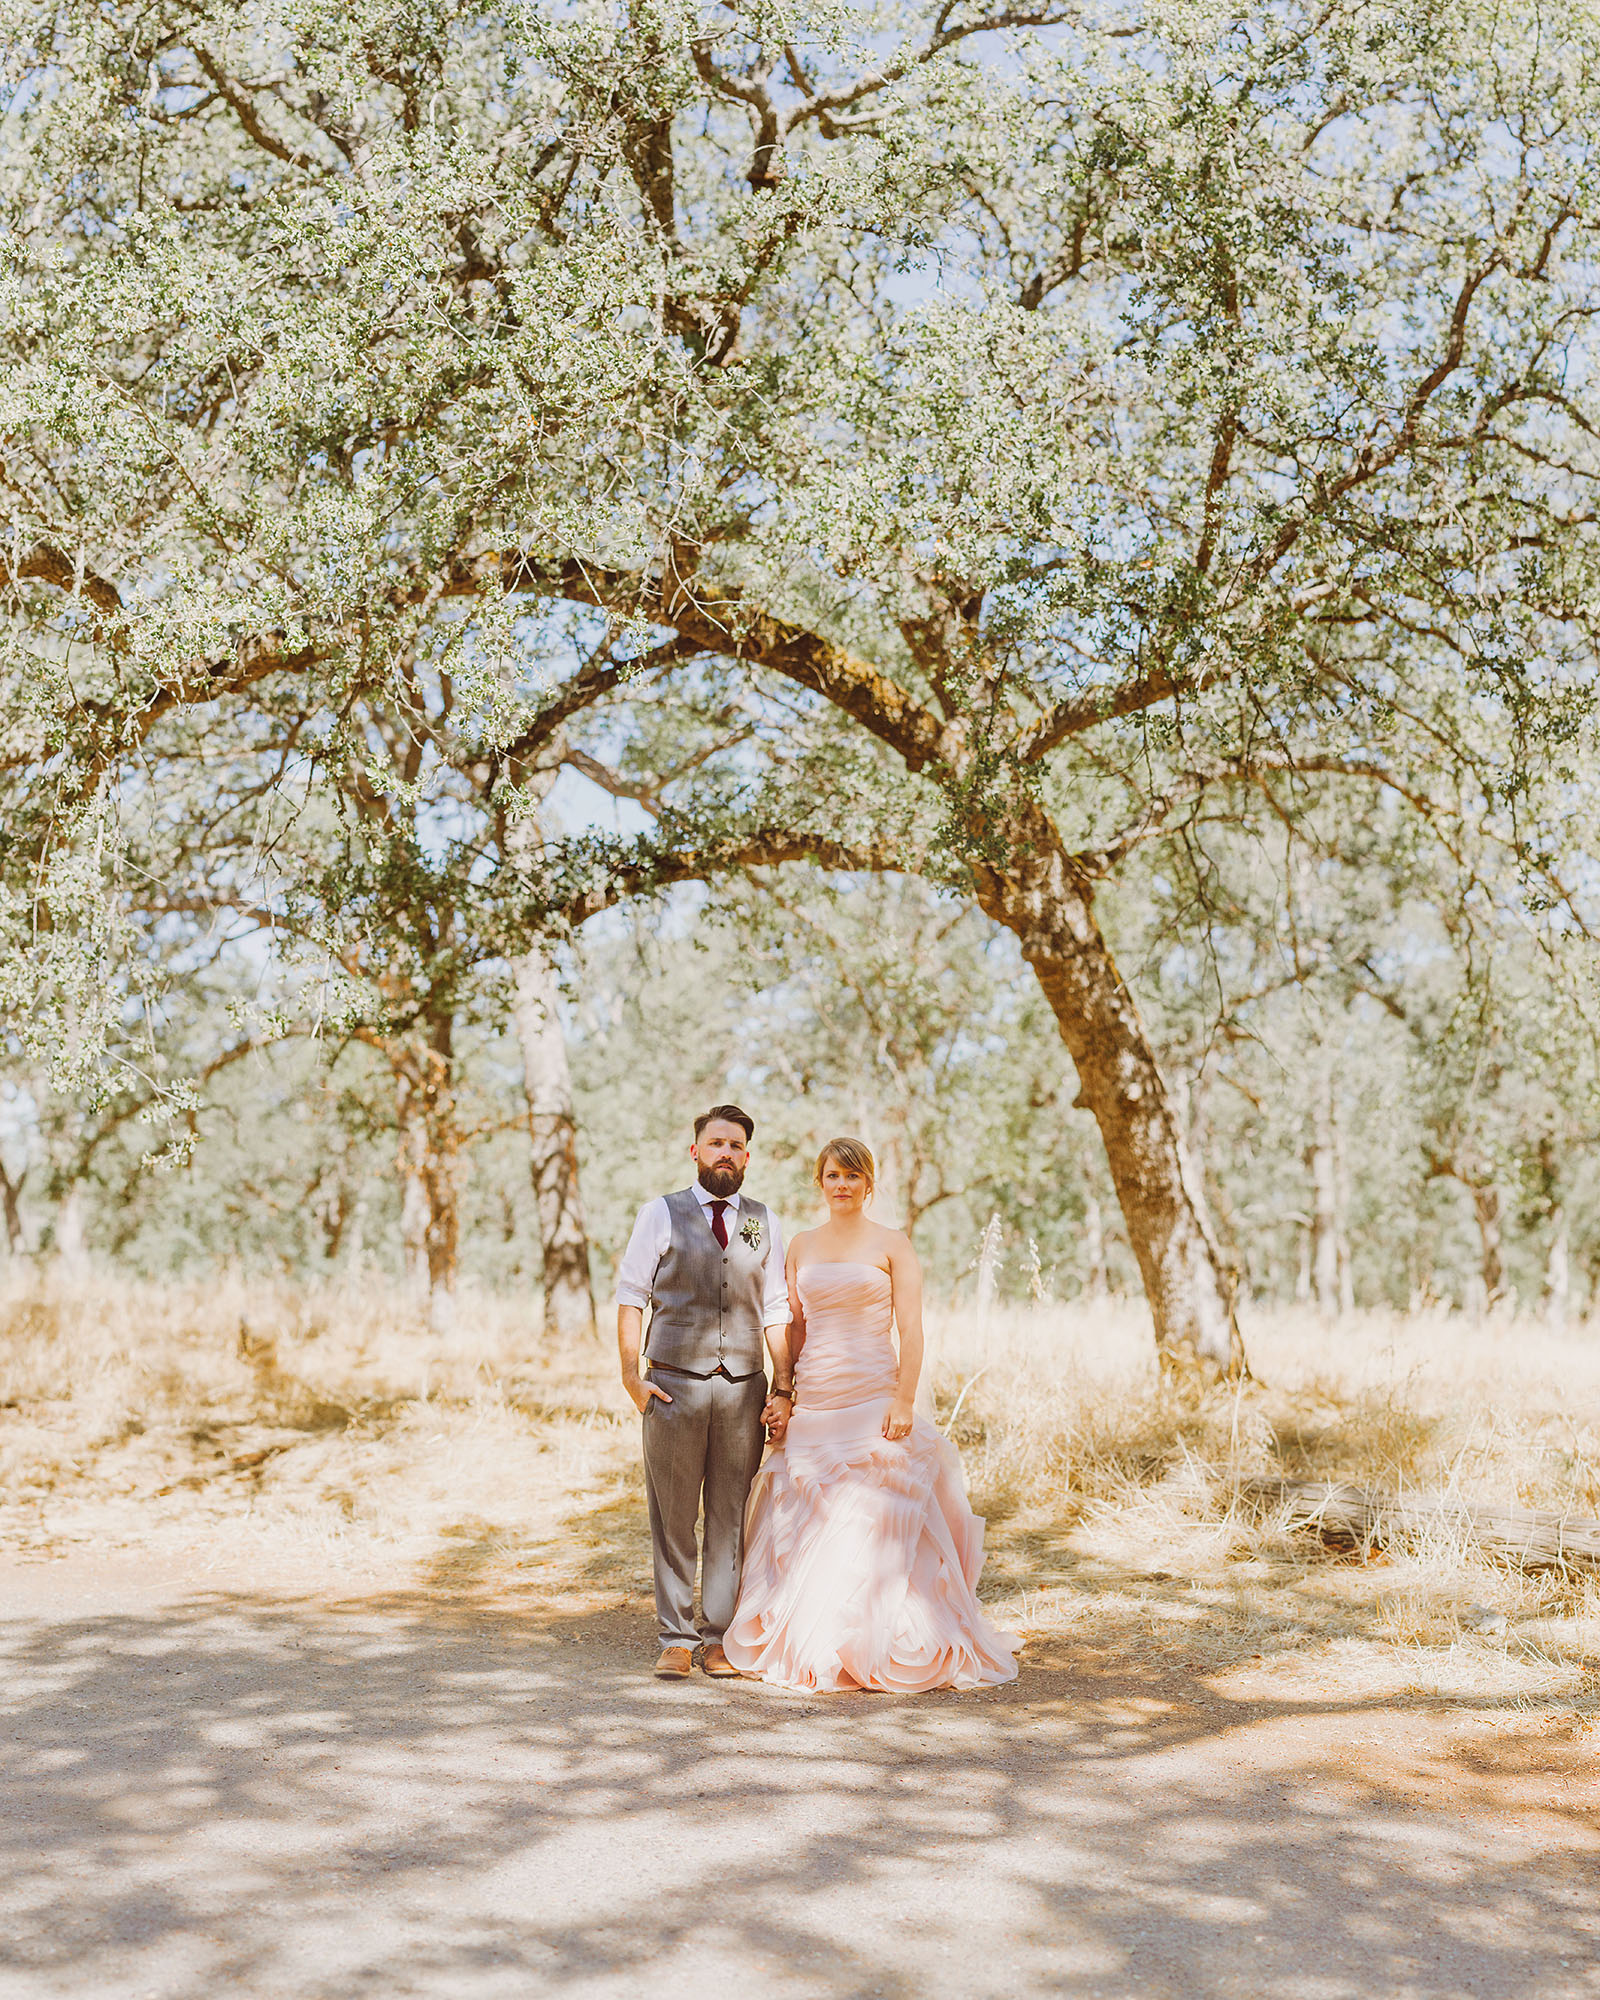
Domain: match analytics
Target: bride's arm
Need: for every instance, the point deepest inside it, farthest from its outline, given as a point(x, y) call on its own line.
point(784, 1343)
point(797, 1314)
point(905, 1279)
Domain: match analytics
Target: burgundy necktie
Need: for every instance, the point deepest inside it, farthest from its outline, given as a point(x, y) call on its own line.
point(719, 1222)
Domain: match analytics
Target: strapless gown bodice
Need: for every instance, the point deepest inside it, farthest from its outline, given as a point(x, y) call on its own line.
point(862, 1555)
point(849, 1356)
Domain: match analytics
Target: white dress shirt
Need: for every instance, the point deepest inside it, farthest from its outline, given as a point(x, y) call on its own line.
point(652, 1238)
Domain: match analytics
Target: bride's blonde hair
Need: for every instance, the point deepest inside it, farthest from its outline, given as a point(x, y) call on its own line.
point(854, 1155)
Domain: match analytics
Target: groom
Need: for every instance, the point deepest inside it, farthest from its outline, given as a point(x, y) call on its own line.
point(709, 1262)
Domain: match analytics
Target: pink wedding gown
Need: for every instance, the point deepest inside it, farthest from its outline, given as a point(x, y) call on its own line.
point(861, 1556)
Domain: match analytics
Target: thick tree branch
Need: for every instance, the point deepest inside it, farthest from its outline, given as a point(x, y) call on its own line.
point(601, 674)
point(717, 619)
point(240, 100)
point(44, 564)
point(1106, 704)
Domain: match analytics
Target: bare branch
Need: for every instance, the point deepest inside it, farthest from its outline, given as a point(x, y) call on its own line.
point(613, 782)
point(651, 872)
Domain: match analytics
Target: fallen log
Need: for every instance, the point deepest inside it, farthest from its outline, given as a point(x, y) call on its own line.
point(1350, 1517)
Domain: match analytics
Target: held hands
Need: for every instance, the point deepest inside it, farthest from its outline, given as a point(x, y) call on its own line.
point(897, 1422)
point(775, 1415)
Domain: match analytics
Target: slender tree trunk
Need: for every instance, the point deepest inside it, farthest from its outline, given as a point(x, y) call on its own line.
point(1330, 1257)
point(11, 1197)
point(71, 1245)
point(331, 1207)
point(1423, 1295)
point(1347, 1272)
point(413, 1211)
point(430, 1216)
point(547, 1081)
point(1206, 1155)
point(1304, 1236)
point(355, 1247)
point(1046, 899)
point(1095, 1282)
point(1558, 1271)
point(1487, 1287)
point(1486, 1210)
point(553, 1131)
point(890, 1204)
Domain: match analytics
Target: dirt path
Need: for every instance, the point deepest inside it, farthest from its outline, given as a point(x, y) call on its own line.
point(248, 1791)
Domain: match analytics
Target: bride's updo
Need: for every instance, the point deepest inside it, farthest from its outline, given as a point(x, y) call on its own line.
point(853, 1155)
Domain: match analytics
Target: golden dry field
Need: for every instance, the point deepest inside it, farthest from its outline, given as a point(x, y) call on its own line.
point(273, 1433)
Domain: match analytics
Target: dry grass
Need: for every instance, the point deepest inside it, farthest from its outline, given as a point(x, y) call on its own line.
point(262, 1424)
point(265, 1431)
point(1117, 1516)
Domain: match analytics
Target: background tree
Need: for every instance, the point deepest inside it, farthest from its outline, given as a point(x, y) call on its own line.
point(1061, 443)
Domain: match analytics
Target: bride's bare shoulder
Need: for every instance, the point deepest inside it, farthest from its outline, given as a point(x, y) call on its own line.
point(893, 1242)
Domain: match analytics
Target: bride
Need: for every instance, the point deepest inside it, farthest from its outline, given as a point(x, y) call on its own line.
point(861, 1552)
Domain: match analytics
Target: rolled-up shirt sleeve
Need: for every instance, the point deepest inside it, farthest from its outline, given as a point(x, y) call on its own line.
point(775, 1294)
point(636, 1274)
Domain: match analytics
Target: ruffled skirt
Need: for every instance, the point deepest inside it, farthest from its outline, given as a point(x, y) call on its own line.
point(861, 1563)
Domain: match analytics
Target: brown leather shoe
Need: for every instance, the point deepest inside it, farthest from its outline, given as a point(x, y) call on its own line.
point(674, 1664)
point(717, 1664)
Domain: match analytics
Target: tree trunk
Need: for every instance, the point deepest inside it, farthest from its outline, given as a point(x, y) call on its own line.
point(1532, 1537)
point(1046, 899)
point(1486, 1209)
point(355, 1249)
point(1096, 1284)
point(71, 1244)
point(889, 1203)
point(1207, 1156)
point(547, 1081)
point(430, 1217)
point(413, 1212)
point(1558, 1271)
point(1330, 1255)
point(11, 1197)
point(1347, 1272)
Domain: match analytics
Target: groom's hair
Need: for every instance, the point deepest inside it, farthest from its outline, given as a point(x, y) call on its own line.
point(733, 1115)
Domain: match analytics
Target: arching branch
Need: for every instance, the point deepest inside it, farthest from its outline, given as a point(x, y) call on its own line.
point(716, 618)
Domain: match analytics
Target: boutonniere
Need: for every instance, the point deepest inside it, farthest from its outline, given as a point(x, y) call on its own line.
point(750, 1232)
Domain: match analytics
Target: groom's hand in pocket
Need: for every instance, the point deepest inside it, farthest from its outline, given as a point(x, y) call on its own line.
point(643, 1393)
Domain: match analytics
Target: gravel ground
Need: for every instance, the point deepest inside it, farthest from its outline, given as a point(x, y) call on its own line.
point(237, 1786)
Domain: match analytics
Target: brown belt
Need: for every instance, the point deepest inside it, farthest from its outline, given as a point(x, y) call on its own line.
point(665, 1368)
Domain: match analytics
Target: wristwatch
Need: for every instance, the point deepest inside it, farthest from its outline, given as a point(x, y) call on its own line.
point(786, 1394)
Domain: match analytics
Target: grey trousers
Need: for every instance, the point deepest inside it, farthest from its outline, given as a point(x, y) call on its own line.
point(707, 1440)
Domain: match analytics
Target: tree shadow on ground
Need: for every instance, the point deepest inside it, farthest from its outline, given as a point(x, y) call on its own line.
point(1305, 1598)
point(441, 1791)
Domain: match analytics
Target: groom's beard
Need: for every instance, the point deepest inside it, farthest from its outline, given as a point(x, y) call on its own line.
point(722, 1182)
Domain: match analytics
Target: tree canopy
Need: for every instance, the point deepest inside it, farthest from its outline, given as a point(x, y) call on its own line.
point(1018, 446)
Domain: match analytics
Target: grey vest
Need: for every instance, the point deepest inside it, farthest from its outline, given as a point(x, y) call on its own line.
point(706, 1301)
